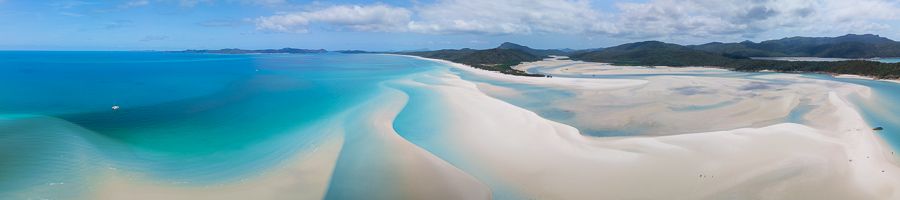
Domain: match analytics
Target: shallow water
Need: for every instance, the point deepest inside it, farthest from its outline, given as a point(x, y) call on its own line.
point(546, 101)
point(881, 110)
point(889, 60)
point(884, 60)
point(207, 119)
point(187, 118)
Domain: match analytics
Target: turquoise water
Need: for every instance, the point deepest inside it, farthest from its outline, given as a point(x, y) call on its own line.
point(545, 100)
point(881, 110)
point(186, 118)
point(889, 60)
point(884, 60)
point(205, 119)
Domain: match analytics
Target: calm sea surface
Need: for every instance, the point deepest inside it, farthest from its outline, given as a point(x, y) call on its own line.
point(201, 119)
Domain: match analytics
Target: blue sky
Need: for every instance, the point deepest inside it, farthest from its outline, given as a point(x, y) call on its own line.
point(432, 24)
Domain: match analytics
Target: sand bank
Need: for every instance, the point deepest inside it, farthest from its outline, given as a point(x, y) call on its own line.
point(588, 84)
point(560, 65)
point(672, 102)
point(850, 76)
point(360, 157)
point(836, 158)
point(548, 160)
point(306, 176)
point(839, 158)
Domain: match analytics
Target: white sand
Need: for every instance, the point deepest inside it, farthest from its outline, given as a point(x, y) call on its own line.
point(542, 159)
point(547, 160)
point(854, 76)
point(414, 172)
point(558, 65)
point(422, 175)
point(850, 76)
point(666, 105)
point(587, 84)
point(305, 177)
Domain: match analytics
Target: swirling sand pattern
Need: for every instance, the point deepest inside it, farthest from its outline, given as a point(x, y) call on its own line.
point(340, 126)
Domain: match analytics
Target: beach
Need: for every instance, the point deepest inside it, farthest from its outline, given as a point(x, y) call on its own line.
point(562, 65)
point(838, 157)
point(850, 76)
point(450, 100)
point(416, 128)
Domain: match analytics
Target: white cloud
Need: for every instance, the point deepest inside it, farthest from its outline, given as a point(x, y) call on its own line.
point(359, 18)
point(653, 19)
point(449, 16)
point(507, 17)
point(702, 18)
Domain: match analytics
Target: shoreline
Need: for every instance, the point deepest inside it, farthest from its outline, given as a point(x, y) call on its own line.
point(745, 161)
point(852, 76)
point(554, 81)
point(438, 132)
point(560, 58)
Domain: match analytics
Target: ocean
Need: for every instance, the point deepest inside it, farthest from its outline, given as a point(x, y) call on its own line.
point(195, 119)
point(202, 120)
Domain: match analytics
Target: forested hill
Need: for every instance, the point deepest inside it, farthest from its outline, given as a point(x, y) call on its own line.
point(653, 53)
point(529, 50)
point(499, 59)
point(847, 46)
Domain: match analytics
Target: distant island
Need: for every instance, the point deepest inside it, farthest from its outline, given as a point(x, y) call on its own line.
point(245, 51)
point(847, 46)
point(734, 56)
point(655, 53)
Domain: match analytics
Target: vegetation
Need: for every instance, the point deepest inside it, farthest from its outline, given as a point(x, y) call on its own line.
point(496, 59)
point(735, 56)
point(652, 53)
point(663, 54)
point(847, 46)
point(857, 67)
point(536, 52)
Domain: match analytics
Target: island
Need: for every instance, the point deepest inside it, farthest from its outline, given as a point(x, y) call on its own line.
point(855, 52)
point(733, 56)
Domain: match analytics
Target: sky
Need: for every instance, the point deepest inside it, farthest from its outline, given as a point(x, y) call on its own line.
point(425, 24)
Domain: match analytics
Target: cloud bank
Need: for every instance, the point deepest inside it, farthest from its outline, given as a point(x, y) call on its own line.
point(655, 18)
point(358, 18)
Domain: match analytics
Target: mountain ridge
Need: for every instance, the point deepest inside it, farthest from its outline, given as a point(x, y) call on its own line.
point(735, 56)
point(655, 53)
point(846, 46)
